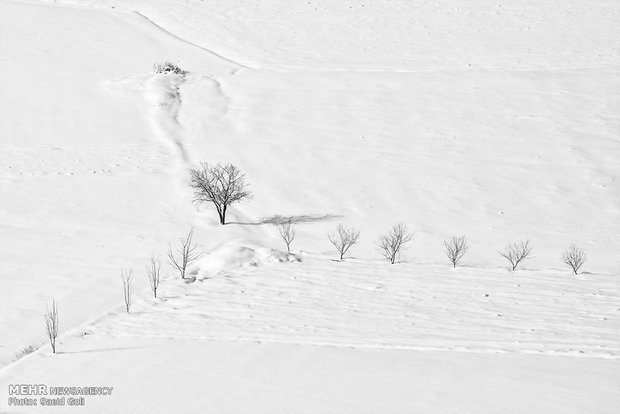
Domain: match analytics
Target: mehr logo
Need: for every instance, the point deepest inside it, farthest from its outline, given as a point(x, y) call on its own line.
point(27, 389)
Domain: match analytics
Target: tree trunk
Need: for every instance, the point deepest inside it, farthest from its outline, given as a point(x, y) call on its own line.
point(223, 215)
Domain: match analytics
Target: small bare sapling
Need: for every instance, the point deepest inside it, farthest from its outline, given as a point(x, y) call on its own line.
point(127, 279)
point(515, 253)
point(186, 253)
point(51, 324)
point(152, 271)
point(456, 248)
point(287, 233)
point(574, 257)
point(392, 243)
point(343, 239)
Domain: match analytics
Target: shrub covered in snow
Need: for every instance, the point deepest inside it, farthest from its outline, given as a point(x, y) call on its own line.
point(168, 67)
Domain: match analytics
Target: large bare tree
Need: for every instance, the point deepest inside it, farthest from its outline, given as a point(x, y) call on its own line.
point(219, 184)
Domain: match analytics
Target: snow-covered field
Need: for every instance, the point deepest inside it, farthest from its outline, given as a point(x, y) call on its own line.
point(496, 120)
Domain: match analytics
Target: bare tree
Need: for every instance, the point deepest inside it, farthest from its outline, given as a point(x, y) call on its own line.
point(574, 257)
point(127, 279)
point(287, 232)
point(187, 253)
point(456, 248)
point(391, 243)
point(343, 239)
point(515, 253)
point(152, 271)
point(51, 324)
point(221, 185)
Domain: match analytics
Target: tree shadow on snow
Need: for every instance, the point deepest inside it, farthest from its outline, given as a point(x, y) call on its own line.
point(278, 219)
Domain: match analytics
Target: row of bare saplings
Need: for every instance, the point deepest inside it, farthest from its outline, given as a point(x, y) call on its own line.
point(389, 245)
point(343, 238)
point(223, 185)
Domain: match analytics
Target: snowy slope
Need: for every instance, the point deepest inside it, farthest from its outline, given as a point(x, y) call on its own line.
point(354, 336)
point(494, 120)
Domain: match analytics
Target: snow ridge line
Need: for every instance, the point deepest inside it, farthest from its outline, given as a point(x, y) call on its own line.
point(73, 4)
point(361, 345)
point(204, 49)
point(431, 70)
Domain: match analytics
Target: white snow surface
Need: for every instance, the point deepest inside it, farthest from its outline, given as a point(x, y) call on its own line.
point(496, 120)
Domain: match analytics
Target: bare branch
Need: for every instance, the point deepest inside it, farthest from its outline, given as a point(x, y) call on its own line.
point(51, 324)
point(574, 257)
point(221, 185)
point(152, 271)
point(391, 243)
point(127, 279)
point(287, 233)
point(456, 248)
point(186, 253)
point(343, 239)
point(515, 253)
